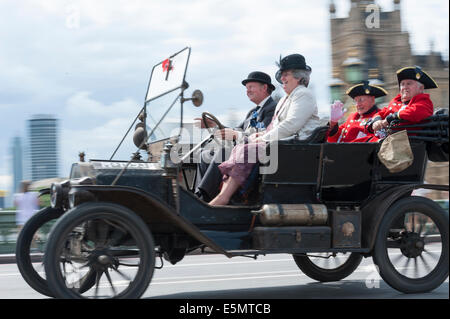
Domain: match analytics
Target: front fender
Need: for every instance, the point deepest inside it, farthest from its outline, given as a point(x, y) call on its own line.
point(160, 217)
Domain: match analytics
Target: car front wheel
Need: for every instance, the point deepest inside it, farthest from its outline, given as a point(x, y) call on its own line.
point(105, 241)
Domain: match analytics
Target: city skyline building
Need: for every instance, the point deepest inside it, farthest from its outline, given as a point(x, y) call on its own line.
point(3, 196)
point(17, 163)
point(43, 147)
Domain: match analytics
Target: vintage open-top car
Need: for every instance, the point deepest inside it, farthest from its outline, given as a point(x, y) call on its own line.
point(114, 219)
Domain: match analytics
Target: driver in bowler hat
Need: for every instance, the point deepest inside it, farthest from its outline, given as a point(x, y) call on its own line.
point(259, 88)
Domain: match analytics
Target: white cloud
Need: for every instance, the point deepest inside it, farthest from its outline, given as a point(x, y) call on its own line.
point(96, 128)
point(82, 107)
point(97, 143)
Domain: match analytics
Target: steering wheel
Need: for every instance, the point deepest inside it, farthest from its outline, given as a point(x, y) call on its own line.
point(208, 116)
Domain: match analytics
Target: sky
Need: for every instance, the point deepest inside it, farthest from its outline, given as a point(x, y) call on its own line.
point(88, 62)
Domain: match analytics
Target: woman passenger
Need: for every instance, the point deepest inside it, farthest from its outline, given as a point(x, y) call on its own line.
point(295, 113)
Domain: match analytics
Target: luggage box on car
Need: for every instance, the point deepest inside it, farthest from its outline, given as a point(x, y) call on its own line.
point(291, 237)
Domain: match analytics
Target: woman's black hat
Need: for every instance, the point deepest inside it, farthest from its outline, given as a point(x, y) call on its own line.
point(260, 77)
point(290, 62)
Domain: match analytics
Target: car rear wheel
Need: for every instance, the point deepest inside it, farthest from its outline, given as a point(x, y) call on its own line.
point(411, 248)
point(103, 240)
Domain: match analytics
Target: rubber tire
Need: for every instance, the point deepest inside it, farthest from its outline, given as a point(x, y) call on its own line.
point(23, 245)
point(98, 209)
point(380, 257)
point(327, 275)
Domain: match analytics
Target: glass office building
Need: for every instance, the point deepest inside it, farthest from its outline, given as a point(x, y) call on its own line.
point(17, 163)
point(43, 153)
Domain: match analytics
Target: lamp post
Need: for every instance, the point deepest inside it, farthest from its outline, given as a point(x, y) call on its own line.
point(353, 68)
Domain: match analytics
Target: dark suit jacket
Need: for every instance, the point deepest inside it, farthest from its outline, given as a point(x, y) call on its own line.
point(265, 114)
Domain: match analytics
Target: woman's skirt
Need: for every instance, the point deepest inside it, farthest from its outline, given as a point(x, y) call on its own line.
point(241, 161)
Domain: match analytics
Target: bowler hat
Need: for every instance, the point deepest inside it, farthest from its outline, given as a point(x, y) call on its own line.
point(364, 88)
point(290, 62)
point(260, 77)
point(416, 73)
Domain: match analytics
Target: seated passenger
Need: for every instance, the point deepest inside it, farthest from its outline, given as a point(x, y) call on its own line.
point(411, 105)
point(295, 113)
point(259, 88)
point(354, 128)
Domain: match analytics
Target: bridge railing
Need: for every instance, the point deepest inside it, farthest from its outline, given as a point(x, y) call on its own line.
point(8, 231)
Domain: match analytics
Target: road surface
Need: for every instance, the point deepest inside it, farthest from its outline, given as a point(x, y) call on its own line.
point(214, 276)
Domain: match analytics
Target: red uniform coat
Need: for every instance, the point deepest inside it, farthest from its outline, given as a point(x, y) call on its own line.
point(419, 108)
point(353, 130)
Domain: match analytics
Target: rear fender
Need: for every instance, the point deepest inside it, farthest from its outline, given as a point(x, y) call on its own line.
point(373, 212)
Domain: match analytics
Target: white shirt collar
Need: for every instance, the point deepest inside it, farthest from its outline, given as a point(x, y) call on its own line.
point(261, 104)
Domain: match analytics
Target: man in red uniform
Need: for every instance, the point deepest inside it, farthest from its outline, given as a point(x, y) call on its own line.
point(354, 129)
point(411, 105)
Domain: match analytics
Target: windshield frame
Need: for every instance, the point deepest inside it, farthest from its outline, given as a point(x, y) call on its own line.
point(183, 85)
